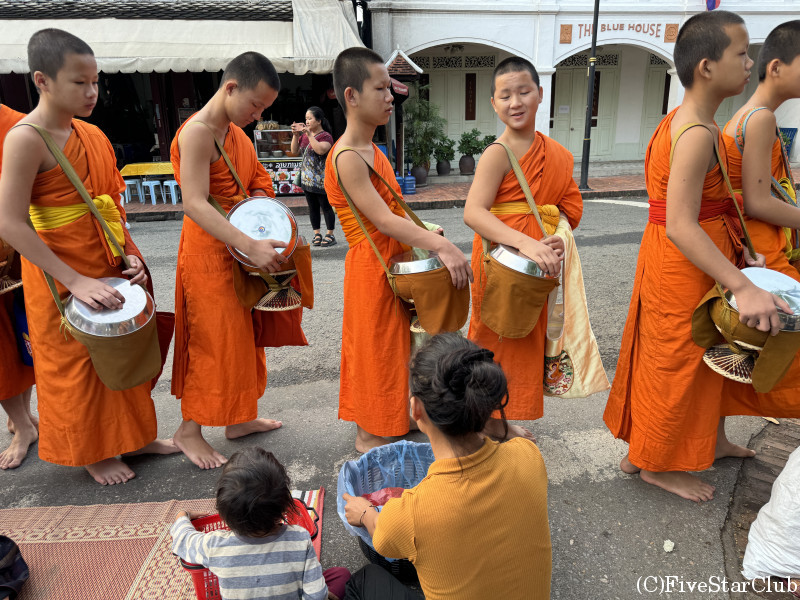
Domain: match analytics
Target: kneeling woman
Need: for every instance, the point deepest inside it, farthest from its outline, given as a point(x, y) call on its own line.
point(476, 526)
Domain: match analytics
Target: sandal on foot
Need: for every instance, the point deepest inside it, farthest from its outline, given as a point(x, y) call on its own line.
point(328, 240)
point(317, 239)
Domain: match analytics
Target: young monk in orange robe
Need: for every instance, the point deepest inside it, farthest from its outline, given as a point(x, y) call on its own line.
point(83, 423)
point(755, 156)
point(373, 384)
point(16, 378)
point(218, 372)
point(496, 209)
point(665, 402)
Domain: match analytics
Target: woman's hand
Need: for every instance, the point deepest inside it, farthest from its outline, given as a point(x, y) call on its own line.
point(354, 509)
point(298, 129)
point(136, 273)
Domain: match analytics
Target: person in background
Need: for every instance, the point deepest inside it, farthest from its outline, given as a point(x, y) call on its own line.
point(314, 139)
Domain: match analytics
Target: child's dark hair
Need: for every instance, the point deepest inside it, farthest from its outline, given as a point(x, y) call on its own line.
point(250, 69)
point(702, 36)
point(459, 384)
point(514, 64)
point(351, 69)
point(319, 115)
point(782, 43)
point(48, 48)
point(253, 492)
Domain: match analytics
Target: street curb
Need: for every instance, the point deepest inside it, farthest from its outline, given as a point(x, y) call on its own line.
point(752, 490)
point(177, 215)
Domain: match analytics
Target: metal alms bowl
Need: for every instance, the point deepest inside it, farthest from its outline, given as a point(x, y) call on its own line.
point(135, 313)
point(511, 258)
point(779, 284)
point(263, 218)
point(414, 261)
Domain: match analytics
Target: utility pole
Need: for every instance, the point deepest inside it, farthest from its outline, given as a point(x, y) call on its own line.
point(587, 131)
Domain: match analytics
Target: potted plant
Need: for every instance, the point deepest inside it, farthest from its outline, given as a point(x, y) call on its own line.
point(469, 145)
point(489, 139)
point(424, 127)
point(444, 152)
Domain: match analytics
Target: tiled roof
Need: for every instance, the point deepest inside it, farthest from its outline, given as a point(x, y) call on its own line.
point(223, 10)
point(401, 67)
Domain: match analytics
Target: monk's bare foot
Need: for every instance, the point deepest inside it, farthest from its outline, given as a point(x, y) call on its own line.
point(494, 429)
point(255, 426)
point(110, 471)
point(681, 483)
point(628, 467)
point(13, 456)
point(727, 449)
point(32, 418)
point(156, 447)
point(365, 441)
point(190, 441)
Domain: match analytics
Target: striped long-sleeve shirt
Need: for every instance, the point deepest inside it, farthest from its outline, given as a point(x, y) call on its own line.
point(282, 566)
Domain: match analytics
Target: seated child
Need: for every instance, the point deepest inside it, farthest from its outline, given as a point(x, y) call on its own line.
point(253, 494)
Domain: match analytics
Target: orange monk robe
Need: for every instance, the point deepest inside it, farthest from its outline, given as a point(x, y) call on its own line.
point(218, 372)
point(665, 401)
point(15, 376)
point(81, 421)
point(376, 340)
point(548, 170)
point(740, 398)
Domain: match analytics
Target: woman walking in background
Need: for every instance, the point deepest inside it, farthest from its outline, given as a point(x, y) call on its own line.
point(313, 138)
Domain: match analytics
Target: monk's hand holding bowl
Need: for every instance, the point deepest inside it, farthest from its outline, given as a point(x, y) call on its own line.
point(95, 293)
point(455, 261)
point(263, 254)
point(759, 308)
point(136, 272)
point(544, 255)
point(556, 242)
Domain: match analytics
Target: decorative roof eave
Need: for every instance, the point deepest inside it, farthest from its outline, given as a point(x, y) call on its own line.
point(405, 57)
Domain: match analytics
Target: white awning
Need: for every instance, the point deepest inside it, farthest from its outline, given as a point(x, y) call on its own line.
point(319, 31)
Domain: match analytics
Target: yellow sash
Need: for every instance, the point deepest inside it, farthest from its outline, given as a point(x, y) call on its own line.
point(53, 217)
point(548, 212)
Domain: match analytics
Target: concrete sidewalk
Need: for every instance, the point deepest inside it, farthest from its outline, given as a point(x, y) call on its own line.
point(433, 195)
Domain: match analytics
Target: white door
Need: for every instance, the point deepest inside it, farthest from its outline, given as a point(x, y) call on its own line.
point(654, 104)
point(569, 110)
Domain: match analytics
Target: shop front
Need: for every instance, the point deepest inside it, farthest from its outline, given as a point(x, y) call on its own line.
point(159, 65)
point(635, 83)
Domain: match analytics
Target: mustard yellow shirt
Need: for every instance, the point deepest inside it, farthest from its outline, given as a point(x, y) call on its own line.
point(475, 527)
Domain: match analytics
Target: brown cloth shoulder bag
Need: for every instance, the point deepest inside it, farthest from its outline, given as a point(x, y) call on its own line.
point(513, 301)
point(715, 321)
point(440, 306)
point(124, 361)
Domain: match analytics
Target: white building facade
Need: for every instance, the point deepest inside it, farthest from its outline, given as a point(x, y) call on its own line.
point(459, 43)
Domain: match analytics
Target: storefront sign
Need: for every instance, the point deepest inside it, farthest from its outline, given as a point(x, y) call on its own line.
point(282, 173)
point(666, 31)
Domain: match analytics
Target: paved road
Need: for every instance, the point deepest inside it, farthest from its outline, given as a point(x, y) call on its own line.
point(608, 529)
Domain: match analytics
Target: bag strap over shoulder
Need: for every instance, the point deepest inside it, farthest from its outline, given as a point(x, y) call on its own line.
point(228, 162)
point(75, 180)
point(741, 127)
point(684, 129)
point(775, 185)
point(353, 209)
point(526, 189)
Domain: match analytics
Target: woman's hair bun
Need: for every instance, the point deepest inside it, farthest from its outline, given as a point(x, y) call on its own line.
point(459, 384)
